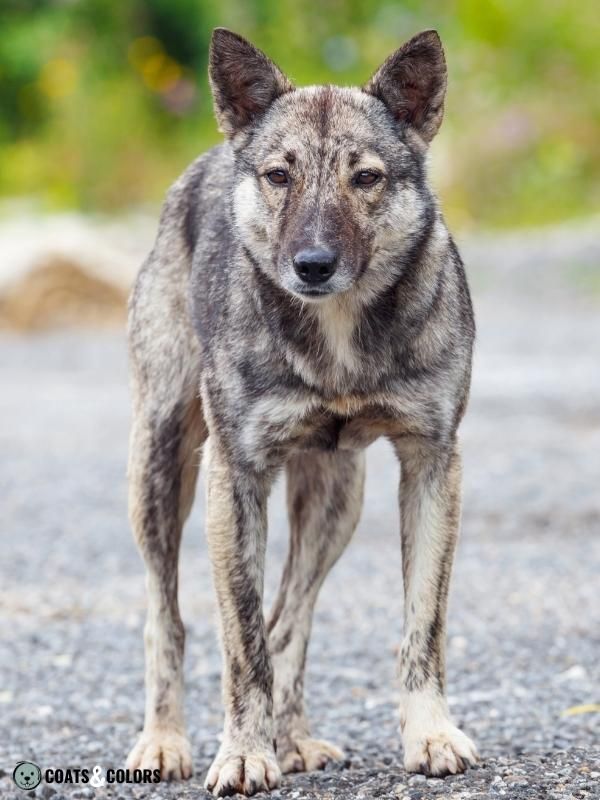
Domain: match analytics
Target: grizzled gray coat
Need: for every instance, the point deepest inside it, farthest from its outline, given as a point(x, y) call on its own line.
point(302, 299)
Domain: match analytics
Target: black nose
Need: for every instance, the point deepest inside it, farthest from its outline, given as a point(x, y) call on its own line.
point(315, 264)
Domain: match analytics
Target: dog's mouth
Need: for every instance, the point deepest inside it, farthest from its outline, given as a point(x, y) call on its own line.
point(315, 292)
point(318, 293)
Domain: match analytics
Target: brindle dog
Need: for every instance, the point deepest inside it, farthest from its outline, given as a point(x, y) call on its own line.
point(303, 298)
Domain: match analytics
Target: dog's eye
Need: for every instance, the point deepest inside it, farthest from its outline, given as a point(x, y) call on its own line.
point(366, 178)
point(278, 177)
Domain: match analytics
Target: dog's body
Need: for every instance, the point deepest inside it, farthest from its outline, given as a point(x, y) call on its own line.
point(303, 298)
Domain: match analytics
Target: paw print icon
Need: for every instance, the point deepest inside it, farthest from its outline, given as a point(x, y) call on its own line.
point(27, 775)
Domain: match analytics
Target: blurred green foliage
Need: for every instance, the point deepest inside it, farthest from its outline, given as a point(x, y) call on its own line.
point(104, 102)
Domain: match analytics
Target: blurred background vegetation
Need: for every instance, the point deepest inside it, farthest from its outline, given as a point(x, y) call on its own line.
point(104, 102)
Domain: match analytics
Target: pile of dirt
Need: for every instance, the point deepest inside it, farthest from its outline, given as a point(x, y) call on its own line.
point(69, 269)
point(59, 293)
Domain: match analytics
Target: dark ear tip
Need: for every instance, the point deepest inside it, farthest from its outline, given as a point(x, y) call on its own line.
point(430, 35)
point(429, 39)
point(222, 36)
point(431, 42)
point(219, 33)
point(225, 42)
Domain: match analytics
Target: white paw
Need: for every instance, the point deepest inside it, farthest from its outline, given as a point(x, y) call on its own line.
point(242, 772)
point(168, 751)
point(303, 754)
point(442, 750)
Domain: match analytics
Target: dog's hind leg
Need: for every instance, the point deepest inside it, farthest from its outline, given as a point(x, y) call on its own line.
point(162, 473)
point(167, 434)
point(324, 492)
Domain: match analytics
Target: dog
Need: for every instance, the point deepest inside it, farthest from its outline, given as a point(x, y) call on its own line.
point(303, 298)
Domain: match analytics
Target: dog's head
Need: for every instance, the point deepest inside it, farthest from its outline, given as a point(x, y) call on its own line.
point(27, 775)
point(330, 182)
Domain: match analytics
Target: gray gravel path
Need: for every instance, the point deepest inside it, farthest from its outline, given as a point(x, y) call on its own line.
point(524, 628)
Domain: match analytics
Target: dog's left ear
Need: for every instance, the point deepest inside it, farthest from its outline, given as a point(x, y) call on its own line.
point(412, 83)
point(243, 80)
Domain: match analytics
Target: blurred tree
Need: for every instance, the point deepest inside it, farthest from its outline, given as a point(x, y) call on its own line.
point(104, 102)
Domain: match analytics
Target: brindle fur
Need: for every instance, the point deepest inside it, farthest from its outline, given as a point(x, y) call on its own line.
point(228, 356)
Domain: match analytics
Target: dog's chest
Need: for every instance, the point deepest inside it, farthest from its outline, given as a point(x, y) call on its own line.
point(346, 424)
point(275, 425)
point(342, 433)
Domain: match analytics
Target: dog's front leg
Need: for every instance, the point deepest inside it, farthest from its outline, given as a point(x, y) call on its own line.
point(430, 511)
point(237, 526)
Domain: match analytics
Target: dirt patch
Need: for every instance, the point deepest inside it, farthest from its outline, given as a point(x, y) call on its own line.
point(59, 293)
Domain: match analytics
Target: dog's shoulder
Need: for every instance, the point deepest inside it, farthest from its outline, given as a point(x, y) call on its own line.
point(198, 194)
point(192, 204)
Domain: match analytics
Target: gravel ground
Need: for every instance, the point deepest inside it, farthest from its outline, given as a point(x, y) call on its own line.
point(524, 626)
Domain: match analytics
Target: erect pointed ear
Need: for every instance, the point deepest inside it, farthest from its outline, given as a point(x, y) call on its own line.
point(243, 80)
point(412, 83)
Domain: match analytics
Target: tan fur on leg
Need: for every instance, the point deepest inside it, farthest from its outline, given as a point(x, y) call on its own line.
point(236, 528)
point(430, 508)
point(161, 492)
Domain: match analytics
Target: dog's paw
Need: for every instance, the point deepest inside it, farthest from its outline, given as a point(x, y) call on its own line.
point(439, 752)
point(243, 773)
point(168, 751)
point(303, 754)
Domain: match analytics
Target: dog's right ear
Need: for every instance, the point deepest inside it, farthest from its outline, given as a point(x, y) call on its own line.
point(412, 84)
point(243, 80)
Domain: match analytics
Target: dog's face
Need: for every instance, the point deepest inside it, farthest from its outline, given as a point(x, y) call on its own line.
point(27, 775)
point(330, 185)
